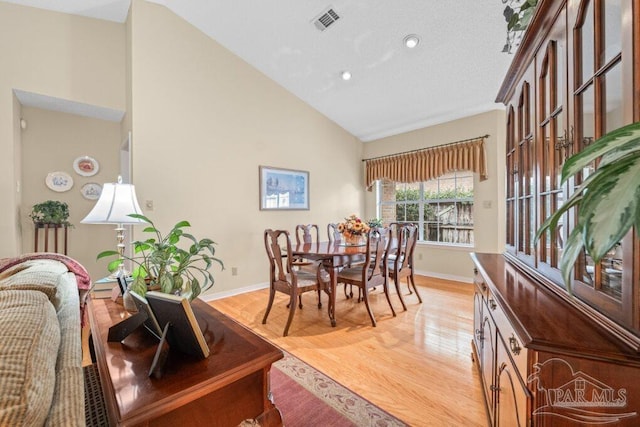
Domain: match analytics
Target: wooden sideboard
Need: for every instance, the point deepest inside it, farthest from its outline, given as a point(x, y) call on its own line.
point(551, 353)
point(229, 386)
point(543, 362)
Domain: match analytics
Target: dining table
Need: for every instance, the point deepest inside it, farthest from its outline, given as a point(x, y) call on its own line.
point(332, 255)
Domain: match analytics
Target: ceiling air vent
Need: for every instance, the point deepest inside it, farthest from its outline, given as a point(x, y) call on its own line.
point(325, 19)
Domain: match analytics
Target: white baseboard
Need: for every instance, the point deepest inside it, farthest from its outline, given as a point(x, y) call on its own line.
point(462, 279)
point(224, 294)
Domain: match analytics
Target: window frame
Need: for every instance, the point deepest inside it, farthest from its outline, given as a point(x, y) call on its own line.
point(424, 202)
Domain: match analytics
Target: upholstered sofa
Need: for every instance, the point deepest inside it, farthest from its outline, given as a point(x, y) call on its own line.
point(41, 312)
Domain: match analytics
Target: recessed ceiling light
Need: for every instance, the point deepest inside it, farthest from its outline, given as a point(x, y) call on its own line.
point(411, 41)
point(346, 75)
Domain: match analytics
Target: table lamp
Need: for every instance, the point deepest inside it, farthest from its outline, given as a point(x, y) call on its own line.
point(116, 202)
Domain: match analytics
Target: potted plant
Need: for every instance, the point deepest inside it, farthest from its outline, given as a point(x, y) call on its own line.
point(608, 201)
point(374, 223)
point(50, 212)
point(160, 263)
point(518, 14)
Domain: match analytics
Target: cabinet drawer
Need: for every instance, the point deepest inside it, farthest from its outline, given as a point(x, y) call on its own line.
point(512, 341)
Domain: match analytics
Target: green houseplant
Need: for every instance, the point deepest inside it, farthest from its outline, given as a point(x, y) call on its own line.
point(160, 263)
point(518, 14)
point(50, 212)
point(608, 201)
point(375, 222)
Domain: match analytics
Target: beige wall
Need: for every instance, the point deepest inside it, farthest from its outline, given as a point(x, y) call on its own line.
point(203, 121)
point(17, 173)
point(489, 215)
point(54, 54)
point(51, 142)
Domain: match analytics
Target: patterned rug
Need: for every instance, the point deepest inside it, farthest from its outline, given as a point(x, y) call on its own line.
point(307, 397)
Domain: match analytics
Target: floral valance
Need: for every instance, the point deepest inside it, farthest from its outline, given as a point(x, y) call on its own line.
point(429, 163)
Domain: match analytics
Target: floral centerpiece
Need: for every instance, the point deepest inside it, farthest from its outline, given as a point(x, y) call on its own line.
point(353, 229)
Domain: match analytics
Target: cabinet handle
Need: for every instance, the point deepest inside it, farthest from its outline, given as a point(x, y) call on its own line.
point(514, 345)
point(492, 304)
point(479, 334)
point(494, 388)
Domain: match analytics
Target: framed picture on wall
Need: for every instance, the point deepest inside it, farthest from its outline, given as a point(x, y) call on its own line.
point(283, 189)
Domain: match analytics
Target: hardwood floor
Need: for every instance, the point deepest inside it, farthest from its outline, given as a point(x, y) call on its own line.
point(416, 366)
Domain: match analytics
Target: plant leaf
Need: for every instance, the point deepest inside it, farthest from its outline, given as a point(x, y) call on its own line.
point(142, 217)
point(166, 283)
point(113, 265)
point(551, 223)
point(139, 286)
point(508, 13)
point(611, 141)
point(610, 205)
point(195, 288)
point(106, 254)
point(571, 252)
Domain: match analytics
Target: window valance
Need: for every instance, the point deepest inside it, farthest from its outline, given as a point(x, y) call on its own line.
point(429, 163)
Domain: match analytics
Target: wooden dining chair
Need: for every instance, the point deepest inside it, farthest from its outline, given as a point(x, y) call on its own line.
point(369, 275)
point(336, 238)
point(307, 233)
point(399, 260)
point(283, 277)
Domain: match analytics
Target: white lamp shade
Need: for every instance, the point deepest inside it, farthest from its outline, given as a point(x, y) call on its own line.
point(116, 202)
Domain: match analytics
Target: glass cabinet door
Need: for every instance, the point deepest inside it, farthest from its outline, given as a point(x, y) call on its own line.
point(555, 142)
point(524, 184)
point(511, 180)
point(597, 94)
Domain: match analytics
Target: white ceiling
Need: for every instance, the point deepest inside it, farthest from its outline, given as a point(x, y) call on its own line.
point(455, 71)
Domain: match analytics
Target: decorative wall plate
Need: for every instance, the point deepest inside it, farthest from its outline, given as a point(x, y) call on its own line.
point(59, 181)
point(86, 166)
point(91, 191)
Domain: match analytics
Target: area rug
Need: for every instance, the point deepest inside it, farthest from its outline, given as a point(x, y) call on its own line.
point(307, 397)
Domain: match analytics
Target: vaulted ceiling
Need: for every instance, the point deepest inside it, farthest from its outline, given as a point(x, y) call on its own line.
point(454, 71)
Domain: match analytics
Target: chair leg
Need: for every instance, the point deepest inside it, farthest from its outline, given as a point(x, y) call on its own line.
point(350, 293)
point(412, 282)
point(396, 281)
point(300, 301)
point(292, 310)
point(386, 294)
point(319, 298)
point(272, 294)
point(366, 302)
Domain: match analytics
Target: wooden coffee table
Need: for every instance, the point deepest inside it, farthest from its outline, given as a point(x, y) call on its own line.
point(231, 385)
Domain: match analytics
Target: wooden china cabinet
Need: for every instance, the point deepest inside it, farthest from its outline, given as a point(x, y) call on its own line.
point(548, 358)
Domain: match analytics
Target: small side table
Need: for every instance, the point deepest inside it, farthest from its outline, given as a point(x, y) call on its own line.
point(46, 229)
point(228, 387)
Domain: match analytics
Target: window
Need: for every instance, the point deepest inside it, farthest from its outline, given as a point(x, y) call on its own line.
point(442, 207)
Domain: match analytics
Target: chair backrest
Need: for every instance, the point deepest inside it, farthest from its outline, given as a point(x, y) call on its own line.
point(377, 243)
point(307, 233)
point(274, 242)
point(407, 236)
point(334, 235)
